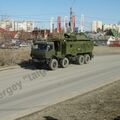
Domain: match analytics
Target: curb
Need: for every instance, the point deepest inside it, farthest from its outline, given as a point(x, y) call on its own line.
point(8, 68)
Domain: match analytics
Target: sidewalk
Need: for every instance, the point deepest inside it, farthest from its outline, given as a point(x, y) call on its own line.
point(9, 67)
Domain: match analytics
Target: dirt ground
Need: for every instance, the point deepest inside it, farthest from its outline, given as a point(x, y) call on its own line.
point(100, 104)
point(10, 57)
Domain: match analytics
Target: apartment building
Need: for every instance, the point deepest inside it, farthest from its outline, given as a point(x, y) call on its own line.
point(11, 25)
point(96, 25)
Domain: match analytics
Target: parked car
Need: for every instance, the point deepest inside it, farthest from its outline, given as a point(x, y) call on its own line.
point(23, 45)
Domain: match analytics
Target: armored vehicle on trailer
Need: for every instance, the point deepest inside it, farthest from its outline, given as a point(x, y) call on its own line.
point(60, 51)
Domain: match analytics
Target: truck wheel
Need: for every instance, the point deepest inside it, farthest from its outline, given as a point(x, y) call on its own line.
point(64, 62)
point(80, 59)
point(53, 64)
point(87, 59)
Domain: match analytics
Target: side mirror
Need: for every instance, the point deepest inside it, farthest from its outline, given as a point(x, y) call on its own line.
point(48, 47)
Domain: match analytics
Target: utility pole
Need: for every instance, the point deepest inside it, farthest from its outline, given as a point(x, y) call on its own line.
point(72, 21)
point(71, 13)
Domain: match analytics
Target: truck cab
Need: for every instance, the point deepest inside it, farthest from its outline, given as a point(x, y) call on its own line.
point(42, 49)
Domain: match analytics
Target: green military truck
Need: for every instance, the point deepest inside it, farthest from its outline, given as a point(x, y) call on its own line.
point(60, 51)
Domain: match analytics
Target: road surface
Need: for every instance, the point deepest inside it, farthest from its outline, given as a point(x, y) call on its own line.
point(23, 91)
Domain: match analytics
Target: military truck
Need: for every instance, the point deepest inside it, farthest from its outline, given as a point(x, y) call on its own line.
point(70, 48)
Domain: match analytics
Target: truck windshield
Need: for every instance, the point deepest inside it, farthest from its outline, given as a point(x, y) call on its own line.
point(40, 46)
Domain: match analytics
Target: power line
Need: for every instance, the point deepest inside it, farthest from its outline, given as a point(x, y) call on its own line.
point(73, 3)
point(101, 18)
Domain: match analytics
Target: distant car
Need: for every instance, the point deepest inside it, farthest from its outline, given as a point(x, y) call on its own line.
point(2, 46)
point(23, 45)
point(15, 47)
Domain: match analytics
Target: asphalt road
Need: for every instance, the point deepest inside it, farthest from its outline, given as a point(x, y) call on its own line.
point(23, 91)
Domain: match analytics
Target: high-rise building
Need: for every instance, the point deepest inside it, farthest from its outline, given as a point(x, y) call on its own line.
point(96, 25)
point(65, 24)
point(99, 25)
point(81, 27)
point(73, 24)
point(58, 24)
point(52, 25)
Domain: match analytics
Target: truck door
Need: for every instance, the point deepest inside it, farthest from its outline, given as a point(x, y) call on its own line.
point(63, 48)
point(57, 48)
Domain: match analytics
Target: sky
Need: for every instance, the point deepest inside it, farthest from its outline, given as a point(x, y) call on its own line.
point(42, 10)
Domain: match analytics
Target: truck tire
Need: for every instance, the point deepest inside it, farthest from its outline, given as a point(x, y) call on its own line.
point(80, 59)
point(64, 62)
point(53, 65)
point(86, 58)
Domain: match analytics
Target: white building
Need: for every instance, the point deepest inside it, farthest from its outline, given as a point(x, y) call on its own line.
point(51, 25)
point(6, 24)
point(96, 25)
point(119, 28)
point(27, 26)
point(81, 27)
point(111, 26)
point(65, 24)
point(99, 25)
point(11, 25)
point(106, 27)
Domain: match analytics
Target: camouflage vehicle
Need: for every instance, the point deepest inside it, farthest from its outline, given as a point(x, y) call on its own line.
point(63, 50)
